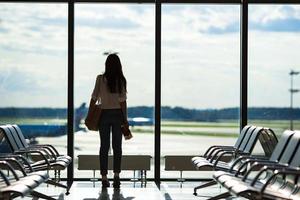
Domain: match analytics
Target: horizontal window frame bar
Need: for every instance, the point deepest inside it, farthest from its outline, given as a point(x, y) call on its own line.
point(201, 1)
point(265, 2)
point(33, 1)
point(115, 1)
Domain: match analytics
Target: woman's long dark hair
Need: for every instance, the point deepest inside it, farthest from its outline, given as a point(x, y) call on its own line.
point(116, 80)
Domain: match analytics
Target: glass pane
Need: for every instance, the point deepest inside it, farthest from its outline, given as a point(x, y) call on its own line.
point(127, 29)
point(273, 54)
point(33, 71)
point(200, 79)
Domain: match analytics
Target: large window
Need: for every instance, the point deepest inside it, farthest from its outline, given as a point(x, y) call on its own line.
point(33, 71)
point(200, 78)
point(200, 68)
point(273, 53)
point(126, 29)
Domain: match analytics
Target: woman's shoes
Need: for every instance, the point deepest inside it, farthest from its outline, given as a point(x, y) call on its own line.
point(116, 182)
point(105, 183)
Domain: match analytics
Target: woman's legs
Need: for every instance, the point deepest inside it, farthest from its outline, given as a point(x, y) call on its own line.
point(104, 148)
point(111, 119)
point(117, 146)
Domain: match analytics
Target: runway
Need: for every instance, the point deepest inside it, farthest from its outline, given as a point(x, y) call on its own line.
point(142, 144)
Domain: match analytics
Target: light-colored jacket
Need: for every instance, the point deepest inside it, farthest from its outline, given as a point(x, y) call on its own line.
point(107, 99)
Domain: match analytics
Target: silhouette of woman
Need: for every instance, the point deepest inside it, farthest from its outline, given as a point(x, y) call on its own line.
point(110, 89)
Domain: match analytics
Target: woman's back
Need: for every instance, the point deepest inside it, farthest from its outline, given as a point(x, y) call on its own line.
point(108, 100)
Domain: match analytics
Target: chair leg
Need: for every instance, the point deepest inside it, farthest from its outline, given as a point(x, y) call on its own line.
point(210, 183)
point(40, 195)
point(221, 196)
point(52, 182)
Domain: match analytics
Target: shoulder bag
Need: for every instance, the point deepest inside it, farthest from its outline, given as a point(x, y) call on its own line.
point(92, 119)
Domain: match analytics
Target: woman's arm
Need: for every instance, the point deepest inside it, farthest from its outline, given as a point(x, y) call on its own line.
point(123, 105)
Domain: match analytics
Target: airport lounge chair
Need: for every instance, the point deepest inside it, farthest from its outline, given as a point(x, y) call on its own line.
point(14, 184)
point(10, 191)
point(274, 158)
point(217, 148)
point(214, 151)
point(265, 184)
point(266, 137)
point(47, 163)
point(53, 152)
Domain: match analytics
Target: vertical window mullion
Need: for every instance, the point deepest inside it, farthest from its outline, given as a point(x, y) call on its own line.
point(157, 149)
point(244, 65)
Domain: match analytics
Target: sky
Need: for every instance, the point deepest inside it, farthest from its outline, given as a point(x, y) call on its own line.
point(200, 53)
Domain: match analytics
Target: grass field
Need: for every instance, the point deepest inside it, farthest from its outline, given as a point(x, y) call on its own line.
point(58, 121)
point(216, 129)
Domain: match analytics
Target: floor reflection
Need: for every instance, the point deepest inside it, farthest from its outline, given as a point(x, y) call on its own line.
point(117, 195)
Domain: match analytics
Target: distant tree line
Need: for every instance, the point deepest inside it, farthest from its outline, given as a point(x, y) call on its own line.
point(168, 113)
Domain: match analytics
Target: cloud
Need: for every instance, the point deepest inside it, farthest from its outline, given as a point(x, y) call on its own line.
point(14, 80)
point(32, 28)
point(200, 51)
point(111, 23)
point(276, 18)
point(277, 25)
point(230, 28)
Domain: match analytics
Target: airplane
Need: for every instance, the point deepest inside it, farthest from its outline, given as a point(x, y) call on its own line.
point(140, 121)
point(32, 131)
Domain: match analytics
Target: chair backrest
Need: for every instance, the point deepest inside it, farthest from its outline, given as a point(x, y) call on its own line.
point(241, 137)
point(16, 137)
point(247, 138)
point(268, 141)
point(281, 145)
point(253, 139)
point(10, 139)
point(20, 136)
point(290, 149)
point(273, 137)
point(296, 158)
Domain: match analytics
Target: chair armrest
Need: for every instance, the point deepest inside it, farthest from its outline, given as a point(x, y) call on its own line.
point(49, 146)
point(19, 157)
point(17, 163)
point(265, 168)
point(214, 154)
point(42, 149)
point(217, 150)
point(10, 168)
point(238, 160)
point(213, 147)
point(284, 171)
point(221, 155)
point(4, 178)
point(34, 151)
point(259, 164)
point(249, 161)
point(47, 150)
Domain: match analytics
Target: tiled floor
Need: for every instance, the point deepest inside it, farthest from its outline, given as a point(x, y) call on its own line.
point(132, 191)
